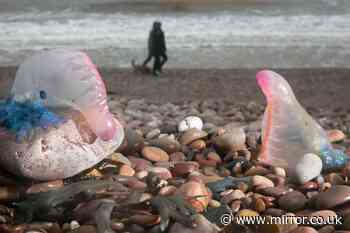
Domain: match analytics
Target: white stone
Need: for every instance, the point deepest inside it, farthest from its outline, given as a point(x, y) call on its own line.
point(308, 168)
point(189, 123)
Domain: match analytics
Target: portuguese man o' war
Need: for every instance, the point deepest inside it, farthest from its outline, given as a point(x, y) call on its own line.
point(67, 78)
point(289, 132)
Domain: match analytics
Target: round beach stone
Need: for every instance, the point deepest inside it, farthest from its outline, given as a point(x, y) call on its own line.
point(192, 135)
point(56, 153)
point(190, 122)
point(155, 154)
point(292, 201)
point(335, 135)
point(233, 140)
point(166, 143)
point(308, 168)
point(334, 196)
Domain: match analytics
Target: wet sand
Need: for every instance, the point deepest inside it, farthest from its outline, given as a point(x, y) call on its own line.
point(315, 88)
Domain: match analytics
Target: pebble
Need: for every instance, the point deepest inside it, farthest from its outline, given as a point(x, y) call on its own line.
point(54, 154)
point(324, 214)
point(166, 143)
point(231, 141)
point(335, 135)
point(191, 135)
point(273, 191)
point(212, 159)
point(334, 196)
point(232, 196)
point(44, 187)
point(154, 154)
point(308, 168)
point(195, 189)
point(247, 213)
point(292, 201)
point(126, 170)
point(279, 171)
point(185, 168)
point(117, 159)
point(161, 172)
point(202, 226)
point(304, 230)
point(198, 145)
point(133, 142)
point(262, 182)
point(153, 134)
point(139, 164)
point(334, 179)
point(326, 229)
point(190, 122)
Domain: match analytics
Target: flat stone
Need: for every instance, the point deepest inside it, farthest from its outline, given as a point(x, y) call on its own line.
point(292, 201)
point(202, 226)
point(335, 135)
point(155, 154)
point(304, 230)
point(167, 144)
point(56, 153)
point(262, 182)
point(192, 135)
point(334, 196)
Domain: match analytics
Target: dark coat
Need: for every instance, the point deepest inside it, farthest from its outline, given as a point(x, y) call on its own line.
point(156, 42)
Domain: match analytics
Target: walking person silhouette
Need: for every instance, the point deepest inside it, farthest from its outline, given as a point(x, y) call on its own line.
point(156, 48)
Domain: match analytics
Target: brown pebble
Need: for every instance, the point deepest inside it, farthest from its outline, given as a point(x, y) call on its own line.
point(191, 135)
point(292, 201)
point(117, 226)
point(177, 156)
point(235, 206)
point(334, 179)
point(126, 170)
point(167, 190)
point(145, 219)
point(117, 159)
point(167, 144)
point(185, 168)
point(274, 212)
point(335, 196)
point(207, 161)
point(335, 135)
point(309, 186)
point(262, 182)
point(198, 145)
point(326, 229)
point(9, 193)
point(139, 164)
point(258, 170)
point(214, 203)
point(247, 213)
point(44, 187)
point(161, 172)
point(84, 229)
point(259, 205)
point(304, 230)
point(324, 214)
point(231, 141)
point(154, 154)
point(196, 189)
point(273, 191)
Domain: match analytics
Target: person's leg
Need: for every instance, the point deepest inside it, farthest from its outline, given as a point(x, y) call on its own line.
point(156, 65)
point(147, 60)
point(164, 60)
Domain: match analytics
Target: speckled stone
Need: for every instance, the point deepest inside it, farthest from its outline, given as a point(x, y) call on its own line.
point(57, 153)
point(335, 196)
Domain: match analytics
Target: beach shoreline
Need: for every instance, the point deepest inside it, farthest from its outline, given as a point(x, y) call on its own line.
point(314, 87)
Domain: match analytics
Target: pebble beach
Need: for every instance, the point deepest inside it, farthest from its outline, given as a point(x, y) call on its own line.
point(167, 178)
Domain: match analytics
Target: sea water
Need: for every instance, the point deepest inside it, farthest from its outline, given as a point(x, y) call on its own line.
point(218, 34)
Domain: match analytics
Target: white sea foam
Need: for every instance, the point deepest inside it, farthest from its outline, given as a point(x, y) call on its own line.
point(119, 36)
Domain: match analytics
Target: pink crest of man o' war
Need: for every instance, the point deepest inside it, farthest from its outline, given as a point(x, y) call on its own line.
point(289, 132)
point(62, 84)
point(70, 79)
